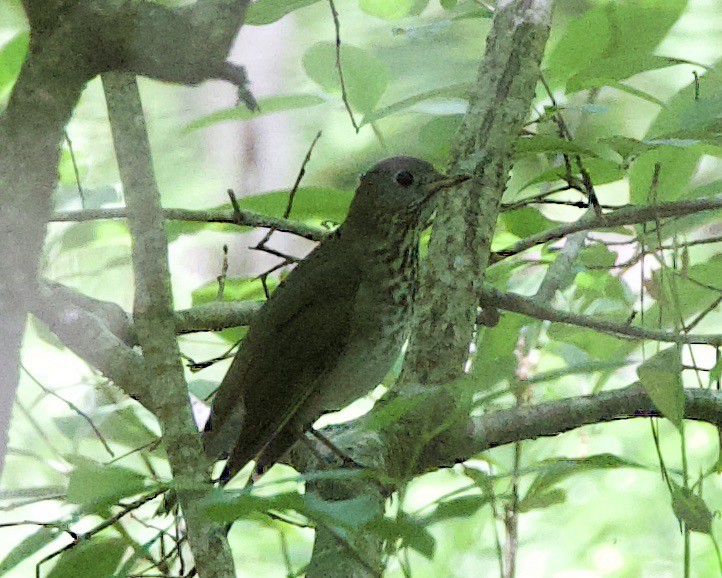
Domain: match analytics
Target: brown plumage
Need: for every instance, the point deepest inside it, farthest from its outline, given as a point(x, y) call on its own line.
point(334, 327)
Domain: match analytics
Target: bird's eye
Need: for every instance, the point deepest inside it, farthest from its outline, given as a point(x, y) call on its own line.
point(404, 178)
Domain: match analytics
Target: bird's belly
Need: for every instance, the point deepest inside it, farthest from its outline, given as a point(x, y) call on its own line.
point(362, 366)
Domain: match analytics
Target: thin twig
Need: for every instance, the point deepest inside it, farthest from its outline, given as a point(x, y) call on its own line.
point(344, 94)
point(73, 407)
point(299, 177)
point(77, 538)
point(294, 190)
point(74, 162)
point(525, 306)
point(224, 273)
point(243, 217)
point(618, 218)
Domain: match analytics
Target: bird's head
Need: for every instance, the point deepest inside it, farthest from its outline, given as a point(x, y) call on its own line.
point(397, 191)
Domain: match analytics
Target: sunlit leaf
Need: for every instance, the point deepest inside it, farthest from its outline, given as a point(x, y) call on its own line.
point(12, 55)
point(525, 221)
point(90, 559)
point(460, 90)
point(28, 547)
point(662, 174)
point(97, 486)
point(365, 76)
point(387, 9)
point(265, 106)
point(267, 11)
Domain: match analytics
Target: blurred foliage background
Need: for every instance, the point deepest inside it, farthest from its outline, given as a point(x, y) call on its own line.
point(622, 74)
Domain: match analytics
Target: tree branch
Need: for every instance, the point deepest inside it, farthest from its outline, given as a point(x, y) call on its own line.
point(527, 306)
point(153, 313)
point(616, 218)
point(467, 439)
point(243, 218)
point(458, 253)
point(70, 43)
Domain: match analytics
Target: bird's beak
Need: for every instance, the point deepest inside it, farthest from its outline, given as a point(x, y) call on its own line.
point(445, 183)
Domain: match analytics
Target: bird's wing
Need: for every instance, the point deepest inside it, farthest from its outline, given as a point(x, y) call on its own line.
point(297, 336)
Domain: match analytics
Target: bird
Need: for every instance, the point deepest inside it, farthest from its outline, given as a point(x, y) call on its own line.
point(334, 327)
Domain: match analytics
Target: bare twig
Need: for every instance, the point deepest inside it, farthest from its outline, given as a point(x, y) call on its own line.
point(222, 277)
point(344, 94)
point(525, 306)
point(75, 169)
point(77, 538)
point(242, 217)
point(617, 218)
point(72, 406)
point(292, 195)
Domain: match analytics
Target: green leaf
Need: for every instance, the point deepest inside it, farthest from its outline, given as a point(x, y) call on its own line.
point(623, 38)
point(498, 363)
point(448, 4)
point(715, 374)
point(601, 171)
point(12, 56)
point(312, 205)
point(387, 9)
point(202, 388)
point(122, 425)
point(590, 30)
point(266, 106)
point(691, 509)
point(349, 514)
point(685, 116)
point(556, 470)
point(525, 222)
point(97, 486)
point(95, 558)
point(636, 92)
point(460, 90)
point(541, 500)
point(28, 547)
point(541, 143)
point(676, 169)
point(436, 135)
point(410, 532)
point(267, 11)
point(661, 377)
point(609, 71)
point(597, 255)
point(101, 233)
point(235, 289)
point(463, 507)
point(230, 505)
point(668, 310)
point(365, 76)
